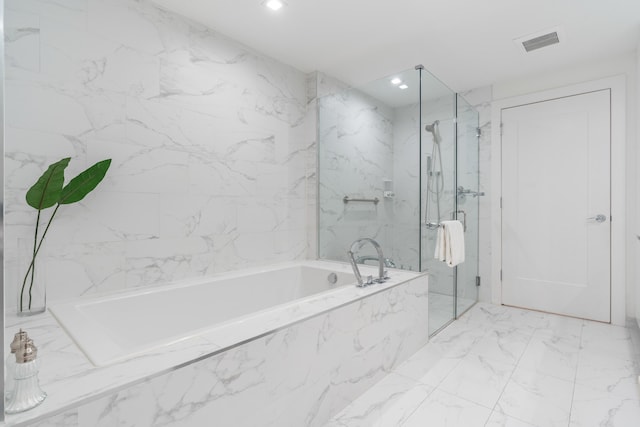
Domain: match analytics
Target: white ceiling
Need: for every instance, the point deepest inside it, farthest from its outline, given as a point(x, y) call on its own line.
point(466, 43)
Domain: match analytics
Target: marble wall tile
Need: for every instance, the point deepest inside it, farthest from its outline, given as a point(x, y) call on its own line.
point(44, 109)
point(137, 23)
point(70, 13)
point(23, 41)
point(88, 269)
point(355, 156)
point(405, 184)
point(151, 261)
point(211, 144)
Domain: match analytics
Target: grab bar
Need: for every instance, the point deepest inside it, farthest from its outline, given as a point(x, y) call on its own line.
point(347, 199)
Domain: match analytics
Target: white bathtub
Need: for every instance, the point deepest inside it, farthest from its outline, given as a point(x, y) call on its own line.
point(282, 341)
point(115, 328)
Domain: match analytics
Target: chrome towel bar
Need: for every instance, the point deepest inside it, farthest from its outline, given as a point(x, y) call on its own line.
point(435, 225)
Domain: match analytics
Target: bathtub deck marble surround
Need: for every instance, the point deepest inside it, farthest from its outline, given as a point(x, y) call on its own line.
point(502, 366)
point(316, 356)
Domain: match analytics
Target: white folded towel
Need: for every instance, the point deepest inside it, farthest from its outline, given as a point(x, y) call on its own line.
point(450, 243)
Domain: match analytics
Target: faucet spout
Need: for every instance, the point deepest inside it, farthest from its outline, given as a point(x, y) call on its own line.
point(356, 271)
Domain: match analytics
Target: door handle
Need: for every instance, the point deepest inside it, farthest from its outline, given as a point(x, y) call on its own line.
point(599, 218)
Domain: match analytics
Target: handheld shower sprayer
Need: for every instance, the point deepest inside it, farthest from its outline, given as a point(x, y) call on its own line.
point(435, 131)
point(435, 178)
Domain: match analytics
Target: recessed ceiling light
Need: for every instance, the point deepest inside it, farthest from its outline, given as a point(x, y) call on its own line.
point(274, 4)
point(403, 86)
point(396, 81)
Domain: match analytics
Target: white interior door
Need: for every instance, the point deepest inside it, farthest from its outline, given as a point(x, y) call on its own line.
point(556, 206)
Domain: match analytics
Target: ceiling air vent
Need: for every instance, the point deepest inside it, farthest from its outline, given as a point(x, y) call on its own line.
point(540, 42)
point(541, 39)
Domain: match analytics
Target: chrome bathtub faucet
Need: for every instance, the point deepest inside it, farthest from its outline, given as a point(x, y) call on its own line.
point(388, 262)
point(382, 274)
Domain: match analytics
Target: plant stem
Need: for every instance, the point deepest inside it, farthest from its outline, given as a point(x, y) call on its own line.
point(36, 249)
point(31, 268)
point(33, 260)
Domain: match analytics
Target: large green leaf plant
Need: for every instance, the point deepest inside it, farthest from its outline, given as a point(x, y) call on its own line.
point(50, 191)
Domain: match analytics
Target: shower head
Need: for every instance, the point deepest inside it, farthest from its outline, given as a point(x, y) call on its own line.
point(433, 129)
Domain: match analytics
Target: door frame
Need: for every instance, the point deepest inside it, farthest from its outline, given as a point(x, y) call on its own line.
point(618, 183)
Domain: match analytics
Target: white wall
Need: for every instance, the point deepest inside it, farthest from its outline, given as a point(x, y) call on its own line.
point(623, 65)
point(209, 143)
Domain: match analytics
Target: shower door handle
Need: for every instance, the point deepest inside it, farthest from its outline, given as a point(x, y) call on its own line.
point(464, 220)
point(599, 218)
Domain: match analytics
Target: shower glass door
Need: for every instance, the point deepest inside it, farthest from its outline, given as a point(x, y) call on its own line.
point(438, 185)
point(468, 195)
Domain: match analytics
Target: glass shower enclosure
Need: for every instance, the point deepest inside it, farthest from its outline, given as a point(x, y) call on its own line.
point(396, 157)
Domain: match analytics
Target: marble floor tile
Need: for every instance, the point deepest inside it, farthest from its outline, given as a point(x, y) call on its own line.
point(457, 339)
point(561, 325)
point(446, 410)
point(506, 346)
point(525, 321)
point(483, 313)
point(609, 340)
point(428, 366)
point(540, 400)
point(552, 354)
point(597, 408)
point(478, 379)
point(543, 370)
point(607, 374)
point(389, 403)
point(498, 419)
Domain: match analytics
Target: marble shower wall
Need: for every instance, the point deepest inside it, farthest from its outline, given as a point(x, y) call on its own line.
point(362, 144)
point(211, 143)
point(406, 186)
point(355, 158)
